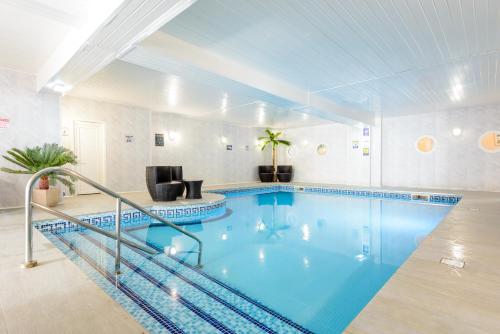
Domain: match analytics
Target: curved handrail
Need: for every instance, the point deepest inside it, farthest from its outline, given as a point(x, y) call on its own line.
point(29, 262)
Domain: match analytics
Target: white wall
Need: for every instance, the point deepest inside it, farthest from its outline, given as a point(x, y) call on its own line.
point(456, 162)
point(198, 148)
point(125, 162)
point(34, 120)
point(200, 151)
point(340, 165)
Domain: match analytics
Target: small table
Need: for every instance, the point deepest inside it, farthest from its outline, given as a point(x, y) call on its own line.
point(193, 188)
point(168, 191)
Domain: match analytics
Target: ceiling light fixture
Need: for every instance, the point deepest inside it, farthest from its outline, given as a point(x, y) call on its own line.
point(261, 114)
point(172, 91)
point(457, 132)
point(456, 92)
point(59, 86)
point(224, 103)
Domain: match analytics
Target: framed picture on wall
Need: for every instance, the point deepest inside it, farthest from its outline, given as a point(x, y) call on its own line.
point(159, 139)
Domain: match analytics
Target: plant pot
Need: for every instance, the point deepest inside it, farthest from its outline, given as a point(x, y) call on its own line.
point(47, 197)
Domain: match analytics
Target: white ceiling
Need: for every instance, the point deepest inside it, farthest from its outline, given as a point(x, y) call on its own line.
point(188, 93)
point(371, 56)
point(30, 30)
point(397, 56)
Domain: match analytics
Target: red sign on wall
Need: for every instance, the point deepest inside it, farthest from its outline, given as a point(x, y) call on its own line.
point(4, 123)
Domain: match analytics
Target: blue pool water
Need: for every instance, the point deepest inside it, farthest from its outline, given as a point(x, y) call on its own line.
point(279, 262)
point(315, 259)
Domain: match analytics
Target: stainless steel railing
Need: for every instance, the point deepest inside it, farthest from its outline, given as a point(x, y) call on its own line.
point(29, 204)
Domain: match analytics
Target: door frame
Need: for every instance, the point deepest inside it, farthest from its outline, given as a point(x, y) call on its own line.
point(102, 144)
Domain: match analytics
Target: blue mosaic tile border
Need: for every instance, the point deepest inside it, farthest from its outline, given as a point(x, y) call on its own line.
point(192, 212)
point(436, 198)
point(132, 217)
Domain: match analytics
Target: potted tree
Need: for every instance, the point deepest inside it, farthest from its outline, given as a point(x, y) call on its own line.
point(272, 139)
point(33, 160)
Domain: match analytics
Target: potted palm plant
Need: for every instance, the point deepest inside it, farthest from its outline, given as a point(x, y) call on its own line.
point(33, 160)
point(272, 139)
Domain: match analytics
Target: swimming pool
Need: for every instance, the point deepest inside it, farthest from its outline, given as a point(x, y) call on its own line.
point(277, 262)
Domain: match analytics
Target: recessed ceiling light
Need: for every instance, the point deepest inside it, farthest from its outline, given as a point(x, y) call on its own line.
point(59, 86)
point(457, 132)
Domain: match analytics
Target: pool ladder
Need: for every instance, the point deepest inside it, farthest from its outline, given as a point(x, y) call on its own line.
point(29, 204)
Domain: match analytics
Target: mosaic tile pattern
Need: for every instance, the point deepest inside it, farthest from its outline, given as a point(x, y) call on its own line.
point(132, 217)
point(191, 212)
point(447, 199)
point(166, 295)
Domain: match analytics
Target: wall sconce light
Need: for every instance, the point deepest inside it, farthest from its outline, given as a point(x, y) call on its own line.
point(173, 135)
point(223, 140)
point(457, 132)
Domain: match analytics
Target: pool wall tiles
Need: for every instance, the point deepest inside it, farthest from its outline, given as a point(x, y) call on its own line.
point(391, 195)
point(132, 217)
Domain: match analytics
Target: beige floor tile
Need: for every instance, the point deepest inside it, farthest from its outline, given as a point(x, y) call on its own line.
point(423, 296)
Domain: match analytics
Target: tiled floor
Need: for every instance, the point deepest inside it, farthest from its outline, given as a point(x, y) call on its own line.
point(424, 296)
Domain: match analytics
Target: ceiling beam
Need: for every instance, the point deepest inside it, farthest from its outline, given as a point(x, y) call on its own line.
point(113, 30)
point(162, 47)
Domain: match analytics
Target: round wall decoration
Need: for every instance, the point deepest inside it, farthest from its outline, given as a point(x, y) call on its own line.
point(425, 144)
point(321, 149)
point(490, 141)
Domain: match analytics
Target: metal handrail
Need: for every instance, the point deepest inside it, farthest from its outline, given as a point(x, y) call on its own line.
point(29, 262)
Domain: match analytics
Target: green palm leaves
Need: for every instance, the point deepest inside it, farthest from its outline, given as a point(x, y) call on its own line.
point(32, 160)
point(272, 140)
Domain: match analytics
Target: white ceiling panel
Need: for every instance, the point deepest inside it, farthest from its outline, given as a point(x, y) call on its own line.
point(372, 56)
point(394, 56)
point(187, 93)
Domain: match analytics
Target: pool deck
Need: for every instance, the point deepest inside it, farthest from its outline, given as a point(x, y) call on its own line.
point(424, 296)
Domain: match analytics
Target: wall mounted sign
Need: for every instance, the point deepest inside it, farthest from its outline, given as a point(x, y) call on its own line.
point(129, 138)
point(355, 144)
point(229, 147)
point(366, 132)
point(4, 123)
point(159, 139)
point(366, 151)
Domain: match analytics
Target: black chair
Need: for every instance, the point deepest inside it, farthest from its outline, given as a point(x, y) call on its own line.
point(161, 187)
point(266, 173)
point(177, 176)
point(285, 173)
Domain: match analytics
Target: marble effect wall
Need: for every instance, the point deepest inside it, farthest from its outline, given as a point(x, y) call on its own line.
point(125, 162)
point(34, 120)
point(197, 147)
point(457, 162)
point(340, 165)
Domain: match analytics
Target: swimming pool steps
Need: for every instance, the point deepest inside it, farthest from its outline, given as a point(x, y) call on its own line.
point(175, 290)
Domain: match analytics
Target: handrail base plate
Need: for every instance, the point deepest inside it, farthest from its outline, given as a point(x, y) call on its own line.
point(29, 264)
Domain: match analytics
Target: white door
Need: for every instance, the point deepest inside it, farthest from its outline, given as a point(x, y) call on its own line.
point(89, 148)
